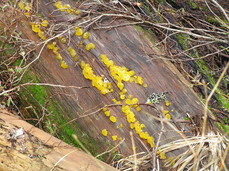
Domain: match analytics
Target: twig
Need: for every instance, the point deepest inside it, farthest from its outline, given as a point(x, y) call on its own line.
point(39, 84)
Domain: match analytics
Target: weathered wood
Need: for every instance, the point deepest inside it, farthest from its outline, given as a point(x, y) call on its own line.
point(35, 149)
point(126, 46)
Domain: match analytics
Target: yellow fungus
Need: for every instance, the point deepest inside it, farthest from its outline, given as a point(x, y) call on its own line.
point(168, 116)
point(124, 91)
point(131, 126)
point(97, 81)
point(104, 109)
point(63, 40)
point(145, 85)
point(41, 34)
point(59, 57)
point(104, 132)
point(138, 108)
point(134, 148)
point(90, 46)
point(142, 126)
point(82, 64)
point(78, 31)
point(120, 125)
point(55, 50)
point(130, 96)
point(120, 85)
point(76, 12)
point(102, 56)
point(107, 113)
point(27, 14)
point(150, 141)
point(72, 52)
point(139, 80)
point(58, 4)
point(118, 102)
point(122, 97)
point(21, 5)
point(165, 111)
point(35, 28)
point(167, 103)
point(113, 119)
point(63, 64)
point(76, 58)
point(86, 35)
point(51, 46)
point(44, 23)
point(134, 100)
point(27, 7)
point(162, 155)
point(114, 137)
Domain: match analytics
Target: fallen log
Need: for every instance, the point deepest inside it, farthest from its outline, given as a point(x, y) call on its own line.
point(25, 147)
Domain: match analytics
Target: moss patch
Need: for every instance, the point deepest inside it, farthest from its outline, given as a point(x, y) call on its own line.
point(192, 5)
point(37, 98)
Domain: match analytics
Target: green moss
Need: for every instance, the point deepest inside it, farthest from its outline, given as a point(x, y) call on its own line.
point(183, 40)
point(213, 20)
point(161, 1)
point(9, 49)
point(18, 62)
point(217, 21)
point(221, 99)
point(38, 92)
point(223, 127)
point(192, 5)
point(54, 121)
point(148, 32)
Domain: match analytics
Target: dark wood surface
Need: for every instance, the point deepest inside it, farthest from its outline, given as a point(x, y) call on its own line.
point(128, 47)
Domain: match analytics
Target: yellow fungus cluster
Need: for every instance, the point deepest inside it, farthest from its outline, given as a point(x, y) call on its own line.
point(134, 124)
point(167, 103)
point(113, 119)
point(86, 35)
point(55, 49)
point(63, 64)
point(117, 102)
point(97, 81)
point(62, 39)
point(73, 53)
point(78, 31)
point(36, 27)
point(66, 8)
point(161, 155)
point(114, 137)
point(44, 23)
point(90, 46)
point(25, 7)
point(166, 114)
point(106, 112)
point(121, 74)
point(104, 132)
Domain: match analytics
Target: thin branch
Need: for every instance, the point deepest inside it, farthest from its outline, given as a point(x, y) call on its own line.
point(39, 84)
